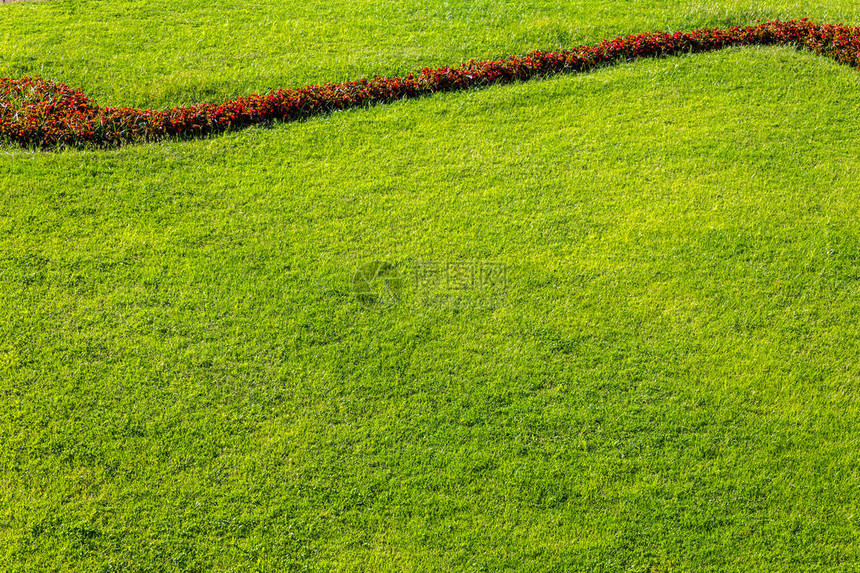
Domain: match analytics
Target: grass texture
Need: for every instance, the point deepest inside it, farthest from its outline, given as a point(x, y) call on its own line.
point(667, 379)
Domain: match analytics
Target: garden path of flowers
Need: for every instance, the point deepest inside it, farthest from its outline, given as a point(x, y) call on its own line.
point(40, 113)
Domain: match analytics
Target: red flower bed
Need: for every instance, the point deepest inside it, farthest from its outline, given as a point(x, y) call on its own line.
point(41, 113)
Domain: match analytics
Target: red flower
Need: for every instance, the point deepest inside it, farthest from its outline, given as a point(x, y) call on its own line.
point(40, 112)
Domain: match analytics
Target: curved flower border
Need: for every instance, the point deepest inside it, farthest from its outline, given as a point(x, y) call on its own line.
point(40, 113)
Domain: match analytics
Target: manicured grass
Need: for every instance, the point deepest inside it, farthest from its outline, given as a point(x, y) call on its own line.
point(172, 52)
point(667, 380)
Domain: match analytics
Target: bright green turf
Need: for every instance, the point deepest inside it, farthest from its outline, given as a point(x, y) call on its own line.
point(170, 52)
point(670, 381)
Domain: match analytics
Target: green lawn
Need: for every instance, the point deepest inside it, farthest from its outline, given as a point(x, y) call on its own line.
point(667, 379)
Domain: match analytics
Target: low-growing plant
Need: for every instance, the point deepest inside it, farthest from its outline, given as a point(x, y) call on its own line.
point(42, 113)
